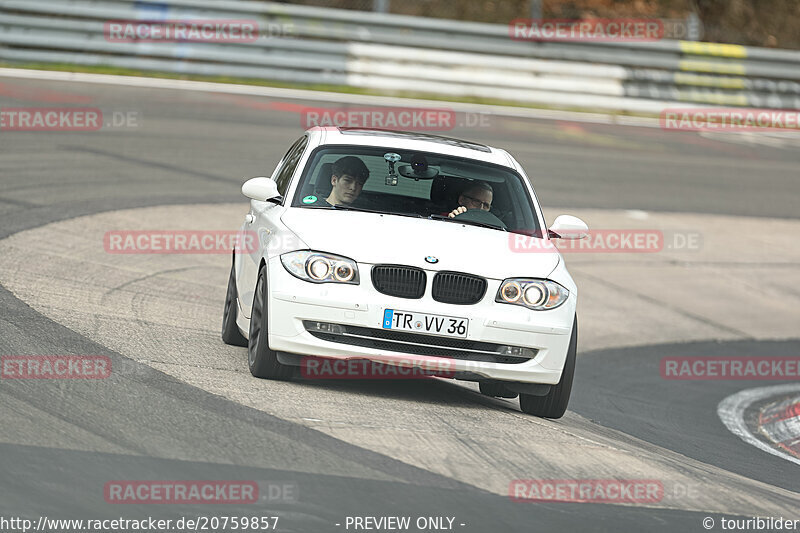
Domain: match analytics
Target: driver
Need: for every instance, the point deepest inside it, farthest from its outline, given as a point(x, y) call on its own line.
point(477, 196)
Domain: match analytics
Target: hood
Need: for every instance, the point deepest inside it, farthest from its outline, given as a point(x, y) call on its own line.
point(373, 238)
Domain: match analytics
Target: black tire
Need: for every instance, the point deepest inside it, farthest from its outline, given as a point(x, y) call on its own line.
point(554, 404)
point(230, 331)
point(496, 389)
point(262, 361)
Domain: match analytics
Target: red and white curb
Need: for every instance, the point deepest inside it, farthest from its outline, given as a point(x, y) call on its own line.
point(779, 422)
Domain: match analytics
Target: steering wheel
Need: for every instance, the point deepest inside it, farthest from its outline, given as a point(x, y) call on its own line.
point(479, 215)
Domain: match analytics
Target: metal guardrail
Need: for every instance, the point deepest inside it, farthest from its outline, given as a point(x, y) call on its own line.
point(312, 45)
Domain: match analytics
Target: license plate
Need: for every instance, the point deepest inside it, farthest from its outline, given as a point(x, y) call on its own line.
point(448, 326)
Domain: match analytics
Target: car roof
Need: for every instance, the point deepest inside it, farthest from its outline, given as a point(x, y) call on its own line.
point(407, 140)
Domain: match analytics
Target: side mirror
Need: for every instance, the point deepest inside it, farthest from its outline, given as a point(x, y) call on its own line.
point(263, 189)
point(568, 227)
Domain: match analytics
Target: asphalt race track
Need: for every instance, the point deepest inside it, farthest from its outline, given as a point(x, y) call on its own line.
point(181, 405)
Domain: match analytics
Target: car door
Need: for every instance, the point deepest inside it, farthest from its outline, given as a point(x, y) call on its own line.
point(263, 219)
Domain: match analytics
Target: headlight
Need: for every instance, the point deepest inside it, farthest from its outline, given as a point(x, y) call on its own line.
point(343, 271)
point(318, 267)
point(534, 294)
point(510, 292)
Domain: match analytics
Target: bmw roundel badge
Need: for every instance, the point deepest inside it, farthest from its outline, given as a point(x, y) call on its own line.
point(432, 260)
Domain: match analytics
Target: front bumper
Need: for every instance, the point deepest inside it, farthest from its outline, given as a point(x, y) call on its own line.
point(293, 301)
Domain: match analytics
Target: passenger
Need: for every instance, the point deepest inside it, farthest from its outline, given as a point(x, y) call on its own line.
point(348, 176)
point(477, 196)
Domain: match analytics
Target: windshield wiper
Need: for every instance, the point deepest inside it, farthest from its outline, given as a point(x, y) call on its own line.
point(470, 222)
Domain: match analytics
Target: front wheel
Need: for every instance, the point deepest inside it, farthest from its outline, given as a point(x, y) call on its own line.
point(554, 403)
point(262, 361)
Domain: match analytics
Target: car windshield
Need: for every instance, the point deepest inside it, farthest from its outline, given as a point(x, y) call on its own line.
point(416, 184)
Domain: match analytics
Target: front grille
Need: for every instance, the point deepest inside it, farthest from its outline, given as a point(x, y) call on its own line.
point(458, 288)
point(398, 280)
point(417, 344)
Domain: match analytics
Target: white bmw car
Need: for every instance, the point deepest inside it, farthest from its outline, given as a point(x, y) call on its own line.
point(403, 248)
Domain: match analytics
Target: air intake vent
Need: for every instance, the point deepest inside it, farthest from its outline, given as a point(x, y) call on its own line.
point(458, 288)
point(400, 281)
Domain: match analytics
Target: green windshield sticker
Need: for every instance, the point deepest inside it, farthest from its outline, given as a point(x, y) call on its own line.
point(309, 199)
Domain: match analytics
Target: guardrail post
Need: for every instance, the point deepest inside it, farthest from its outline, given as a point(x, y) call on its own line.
point(694, 28)
point(380, 6)
point(536, 9)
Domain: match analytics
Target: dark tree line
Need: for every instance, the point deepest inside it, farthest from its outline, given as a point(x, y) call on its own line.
point(772, 23)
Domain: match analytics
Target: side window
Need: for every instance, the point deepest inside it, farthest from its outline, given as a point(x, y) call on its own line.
point(290, 160)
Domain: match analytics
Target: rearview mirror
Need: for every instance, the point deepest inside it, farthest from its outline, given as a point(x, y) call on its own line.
point(568, 227)
point(263, 189)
